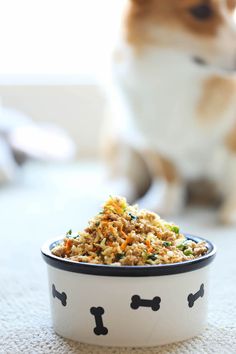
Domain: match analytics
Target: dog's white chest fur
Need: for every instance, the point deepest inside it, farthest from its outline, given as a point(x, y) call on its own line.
point(160, 93)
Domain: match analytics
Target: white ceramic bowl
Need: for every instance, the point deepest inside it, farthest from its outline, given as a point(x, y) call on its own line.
point(133, 306)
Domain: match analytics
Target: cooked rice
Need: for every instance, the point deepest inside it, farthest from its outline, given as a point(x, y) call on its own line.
point(124, 235)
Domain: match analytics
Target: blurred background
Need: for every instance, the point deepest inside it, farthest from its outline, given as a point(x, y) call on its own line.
point(54, 60)
point(54, 57)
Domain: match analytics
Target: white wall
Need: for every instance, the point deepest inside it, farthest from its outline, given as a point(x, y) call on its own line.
point(57, 37)
point(77, 108)
point(51, 52)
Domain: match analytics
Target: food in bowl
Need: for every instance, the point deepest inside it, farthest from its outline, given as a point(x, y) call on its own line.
point(122, 234)
point(132, 300)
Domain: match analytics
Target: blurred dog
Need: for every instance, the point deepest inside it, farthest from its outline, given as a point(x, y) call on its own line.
point(173, 101)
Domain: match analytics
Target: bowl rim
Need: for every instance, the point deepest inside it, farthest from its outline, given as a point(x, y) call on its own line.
point(128, 271)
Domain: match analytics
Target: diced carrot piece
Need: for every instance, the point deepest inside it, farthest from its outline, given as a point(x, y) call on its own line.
point(123, 246)
point(123, 233)
point(69, 244)
point(129, 239)
point(148, 243)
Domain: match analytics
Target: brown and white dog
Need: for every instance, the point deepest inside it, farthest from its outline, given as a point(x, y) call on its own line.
point(173, 100)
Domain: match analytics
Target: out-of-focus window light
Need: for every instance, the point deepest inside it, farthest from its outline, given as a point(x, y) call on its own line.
point(56, 37)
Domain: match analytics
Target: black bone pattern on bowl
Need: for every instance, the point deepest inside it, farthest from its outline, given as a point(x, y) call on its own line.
point(62, 297)
point(98, 312)
point(129, 271)
point(137, 302)
point(192, 298)
point(99, 326)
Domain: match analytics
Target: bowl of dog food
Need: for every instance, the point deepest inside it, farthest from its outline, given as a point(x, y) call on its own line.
point(129, 279)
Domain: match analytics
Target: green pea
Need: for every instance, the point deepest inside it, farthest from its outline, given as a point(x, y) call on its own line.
point(188, 252)
point(175, 229)
point(181, 247)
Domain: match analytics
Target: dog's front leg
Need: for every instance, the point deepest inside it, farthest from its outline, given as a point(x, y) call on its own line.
point(164, 198)
point(167, 194)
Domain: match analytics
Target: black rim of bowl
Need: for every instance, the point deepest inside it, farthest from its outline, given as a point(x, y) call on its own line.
point(128, 271)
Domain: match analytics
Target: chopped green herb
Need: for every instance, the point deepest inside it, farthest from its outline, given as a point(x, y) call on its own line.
point(69, 233)
point(133, 217)
point(97, 223)
point(119, 256)
point(153, 257)
point(188, 252)
point(167, 244)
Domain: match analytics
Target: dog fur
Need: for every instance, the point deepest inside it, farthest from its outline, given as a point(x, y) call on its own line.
point(172, 111)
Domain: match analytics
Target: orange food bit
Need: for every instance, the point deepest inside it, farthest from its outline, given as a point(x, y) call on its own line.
point(128, 240)
point(123, 246)
point(69, 244)
point(148, 243)
point(123, 234)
